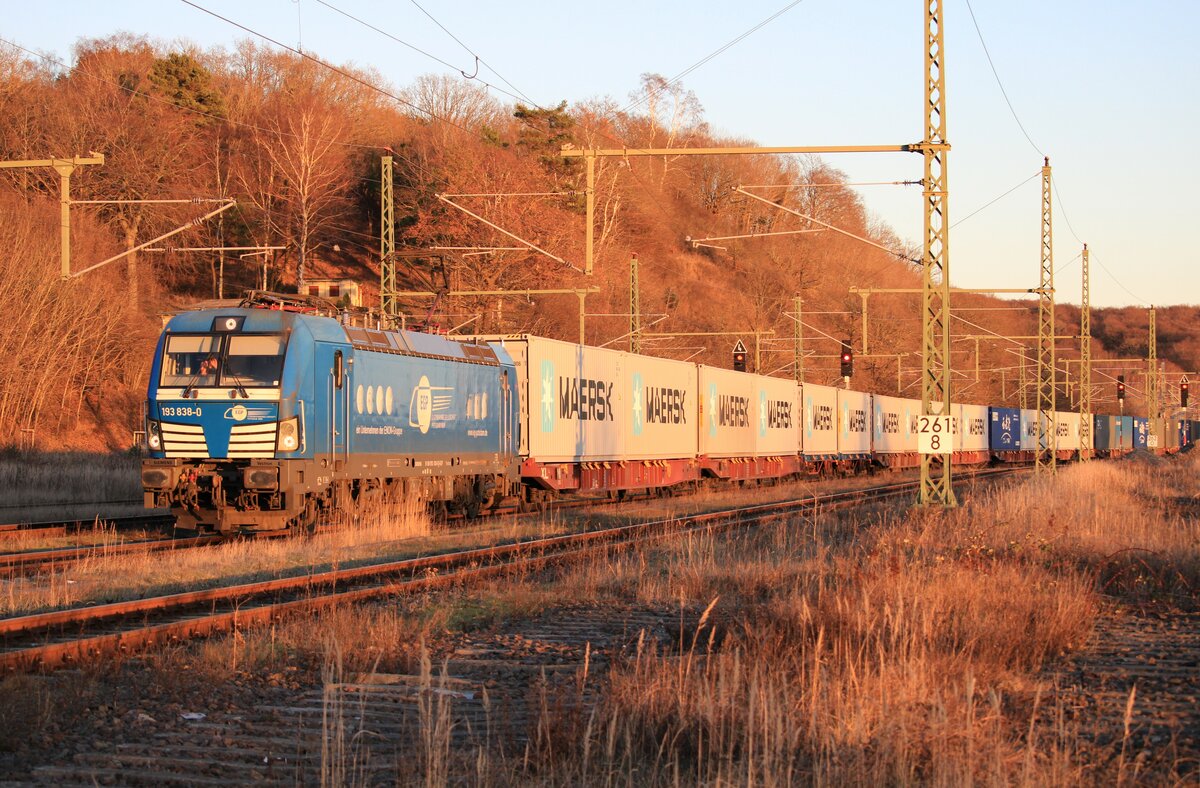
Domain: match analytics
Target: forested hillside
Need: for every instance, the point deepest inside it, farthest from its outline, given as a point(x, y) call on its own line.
point(297, 144)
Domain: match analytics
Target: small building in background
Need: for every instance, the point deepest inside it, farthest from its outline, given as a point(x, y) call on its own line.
point(335, 290)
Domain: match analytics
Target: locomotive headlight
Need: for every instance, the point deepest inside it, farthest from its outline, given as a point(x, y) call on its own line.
point(289, 435)
point(153, 436)
point(259, 477)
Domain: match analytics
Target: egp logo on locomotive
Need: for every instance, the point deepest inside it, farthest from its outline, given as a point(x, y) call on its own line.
point(425, 401)
point(241, 413)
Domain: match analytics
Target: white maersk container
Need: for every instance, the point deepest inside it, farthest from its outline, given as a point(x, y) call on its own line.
point(728, 426)
point(573, 402)
point(854, 418)
point(1067, 428)
point(1029, 434)
point(778, 414)
point(663, 402)
point(973, 437)
point(1029, 437)
point(895, 425)
point(820, 439)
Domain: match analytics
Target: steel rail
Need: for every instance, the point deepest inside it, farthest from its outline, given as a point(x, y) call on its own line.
point(62, 527)
point(319, 590)
point(13, 563)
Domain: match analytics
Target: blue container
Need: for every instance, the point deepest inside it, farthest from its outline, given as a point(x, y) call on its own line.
point(1125, 433)
point(1004, 429)
point(1141, 429)
point(1104, 432)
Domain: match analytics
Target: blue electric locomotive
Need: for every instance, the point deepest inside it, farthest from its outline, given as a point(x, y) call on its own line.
point(263, 418)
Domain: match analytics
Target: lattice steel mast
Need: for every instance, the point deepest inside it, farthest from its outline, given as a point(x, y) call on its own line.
point(936, 486)
point(1085, 363)
point(1047, 434)
point(389, 303)
point(798, 346)
point(635, 307)
point(1152, 393)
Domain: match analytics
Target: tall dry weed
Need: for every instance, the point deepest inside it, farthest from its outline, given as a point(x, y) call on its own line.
point(912, 650)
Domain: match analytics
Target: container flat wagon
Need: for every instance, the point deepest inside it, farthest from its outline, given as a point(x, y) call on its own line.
point(854, 432)
point(972, 447)
point(894, 435)
point(1004, 434)
point(819, 441)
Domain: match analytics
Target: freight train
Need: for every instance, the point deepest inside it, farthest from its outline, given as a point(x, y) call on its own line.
point(271, 415)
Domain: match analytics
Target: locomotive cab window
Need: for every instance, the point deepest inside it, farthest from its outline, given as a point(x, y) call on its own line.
point(191, 361)
point(254, 360)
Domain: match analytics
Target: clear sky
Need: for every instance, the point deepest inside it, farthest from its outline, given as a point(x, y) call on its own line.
point(1109, 90)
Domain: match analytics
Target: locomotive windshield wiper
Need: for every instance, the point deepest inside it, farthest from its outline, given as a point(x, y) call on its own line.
point(238, 382)
point(187, 390)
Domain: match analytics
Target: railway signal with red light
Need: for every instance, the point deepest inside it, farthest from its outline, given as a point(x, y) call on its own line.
point(1183, 393)
point(739, 357)
point(847, 359)
point(1121, 387)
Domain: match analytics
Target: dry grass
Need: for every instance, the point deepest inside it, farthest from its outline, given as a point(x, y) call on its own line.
point(383, 531)
point(909, 652)
point(918, 649)
point(869, 647)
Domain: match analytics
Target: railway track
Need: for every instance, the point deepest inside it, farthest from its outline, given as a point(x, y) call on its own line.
point(33, 561)
point(63, 527)
point(30, 562)
point(65, 637)
point(27, 562)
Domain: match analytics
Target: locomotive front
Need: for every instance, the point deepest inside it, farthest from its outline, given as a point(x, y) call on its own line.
point(223, 414)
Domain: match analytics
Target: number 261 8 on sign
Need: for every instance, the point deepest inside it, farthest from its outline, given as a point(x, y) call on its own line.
point(934, 436)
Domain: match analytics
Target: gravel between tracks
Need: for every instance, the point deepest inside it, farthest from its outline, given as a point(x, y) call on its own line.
point(1145, 665)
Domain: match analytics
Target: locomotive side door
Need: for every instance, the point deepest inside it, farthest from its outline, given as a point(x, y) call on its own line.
point(506, 446)
point(336, 411)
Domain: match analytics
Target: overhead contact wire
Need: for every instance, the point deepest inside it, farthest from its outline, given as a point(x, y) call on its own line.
point(473, 54)
point(713, 54)
point(347, 75)
point(418, 50)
